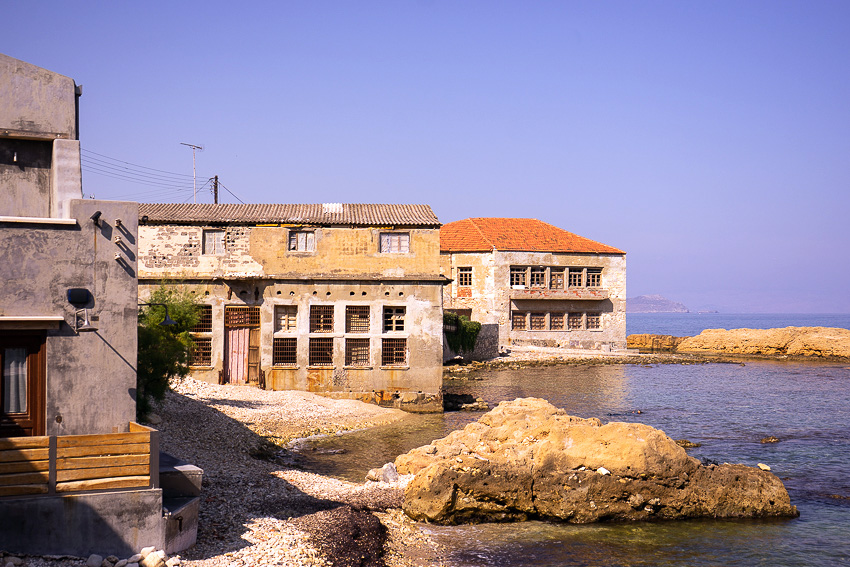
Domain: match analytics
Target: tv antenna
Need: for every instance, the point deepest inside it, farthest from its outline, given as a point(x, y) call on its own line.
point(194, 176)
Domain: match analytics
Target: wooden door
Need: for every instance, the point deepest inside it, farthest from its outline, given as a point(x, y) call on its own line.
point(241, 344)
point(22, 384)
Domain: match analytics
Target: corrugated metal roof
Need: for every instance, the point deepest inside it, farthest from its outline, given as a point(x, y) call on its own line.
point(316, 214)
point(509, 234)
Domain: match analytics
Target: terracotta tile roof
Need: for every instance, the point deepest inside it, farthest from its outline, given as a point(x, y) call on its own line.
point(318, 214)
point(531, 235)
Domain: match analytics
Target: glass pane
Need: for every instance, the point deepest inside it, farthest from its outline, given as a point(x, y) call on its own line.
point(14, 380)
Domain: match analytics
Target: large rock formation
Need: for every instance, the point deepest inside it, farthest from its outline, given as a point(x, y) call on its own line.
point(528, 459)
point(653, 343)
point(823, 342)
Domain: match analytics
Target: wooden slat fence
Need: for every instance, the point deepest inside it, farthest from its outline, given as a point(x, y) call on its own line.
point(77, 463)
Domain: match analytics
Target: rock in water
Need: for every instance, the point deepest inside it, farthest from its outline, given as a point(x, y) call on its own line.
point(527, 459)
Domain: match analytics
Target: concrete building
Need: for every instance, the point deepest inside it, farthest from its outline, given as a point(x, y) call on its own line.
point(530, 283)
point(339, 299)
point(76, 473)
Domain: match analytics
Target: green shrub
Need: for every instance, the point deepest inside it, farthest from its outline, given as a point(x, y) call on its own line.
point(164, 350)
point(461, 333)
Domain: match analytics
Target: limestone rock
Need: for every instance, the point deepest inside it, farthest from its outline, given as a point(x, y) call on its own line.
point(822, 342)
point(527, 459)
point(654, 343)
point(386, 473)
point(94, 560)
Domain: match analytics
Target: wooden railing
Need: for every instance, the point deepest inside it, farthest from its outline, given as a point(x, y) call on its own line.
point(77, 463)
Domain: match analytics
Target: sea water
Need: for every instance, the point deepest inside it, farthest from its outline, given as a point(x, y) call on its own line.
point(727, 408)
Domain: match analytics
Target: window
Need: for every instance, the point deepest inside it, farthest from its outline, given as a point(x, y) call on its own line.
point(393, 319)
point(213, 242)
point(517, 276)
point(576, 277)
point(594, 321)
point(285, 317)
point(321, 318)
point(574, 321)
point(594, 277)
point(357, 319)
point(284, 351)
point(239, 316)
point(394, 352)
point(395, 242)
point(204, 324)
point(464, 277)
point(22, 384)
point(556, 280)
point(321, 352)
point(518, 321)
point(538, 321)
point(556, 321)
point(538, 278)
point(302, 241)
point(357, 352)
point(202, 352)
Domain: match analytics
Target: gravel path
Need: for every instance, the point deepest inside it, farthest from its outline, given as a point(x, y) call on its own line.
point(257, 508)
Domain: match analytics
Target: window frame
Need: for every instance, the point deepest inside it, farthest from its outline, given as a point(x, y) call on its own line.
point(284, 351)
point(355, 316)
point(355, 358)
point(309, 241)
point(518, 276)
point(290, 313)
point(394, 318)
point(516, 317)
point(321, 352)
point(219, 244)
point(322, 318)
point(390, 350)
point(464, 276)
point(394, 243)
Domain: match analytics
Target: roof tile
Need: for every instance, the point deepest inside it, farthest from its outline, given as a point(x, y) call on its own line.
point(512, 234)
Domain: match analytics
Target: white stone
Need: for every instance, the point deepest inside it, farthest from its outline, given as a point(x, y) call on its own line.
point(603, 471)
point(763, 467)
point(94, 560)
point(146, 551)
point(134, 558)
point(121, 563)
point(173, 562)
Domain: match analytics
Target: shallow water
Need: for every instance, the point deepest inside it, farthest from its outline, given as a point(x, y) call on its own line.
point(728, 408)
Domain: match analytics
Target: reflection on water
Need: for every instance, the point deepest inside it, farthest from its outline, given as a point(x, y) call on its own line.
point(728, 408)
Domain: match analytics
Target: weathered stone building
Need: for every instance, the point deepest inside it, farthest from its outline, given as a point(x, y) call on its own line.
point(530, 283)
point(339, 299)
point(77, 475)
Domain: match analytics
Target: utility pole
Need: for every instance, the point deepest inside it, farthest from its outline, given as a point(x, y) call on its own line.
point(215, 190)
point(194, 176)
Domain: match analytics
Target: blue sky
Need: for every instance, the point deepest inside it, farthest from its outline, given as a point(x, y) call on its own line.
point(709, 140)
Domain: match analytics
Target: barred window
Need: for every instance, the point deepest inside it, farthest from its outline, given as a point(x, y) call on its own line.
point(394, 352)
point(395, 242)
point(574, 321)
point(321, 318)
point(576, 277)
point(538, 321)
point(594, 277)
point(393, 319)
point(321, 352)
point(556, 321)
point(284, 351)
point(518, 321)
point(517, 276)
point(302, 241)
point(239, 316)
point(556, 279)
point(594, 321)
point(201, 354)
point(213, 242)
point(538, 278)
point(204, 324)
point(285, 317)
point(357, 352)
point(464, 277)
point(357, 319)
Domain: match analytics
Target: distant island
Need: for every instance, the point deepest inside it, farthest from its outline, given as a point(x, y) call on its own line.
point(653, 304)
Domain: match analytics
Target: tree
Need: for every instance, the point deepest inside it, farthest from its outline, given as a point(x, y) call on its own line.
point(164, 350)
point(461, 333)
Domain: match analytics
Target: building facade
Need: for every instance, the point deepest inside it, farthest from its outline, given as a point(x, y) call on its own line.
point(339, 299)
point(530, 283)
point(77, 475)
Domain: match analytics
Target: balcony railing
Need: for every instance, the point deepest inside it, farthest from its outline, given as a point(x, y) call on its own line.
point(50, 465)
